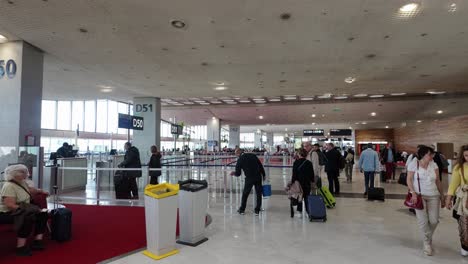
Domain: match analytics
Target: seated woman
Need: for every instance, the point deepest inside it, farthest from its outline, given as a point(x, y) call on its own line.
point(15, 208)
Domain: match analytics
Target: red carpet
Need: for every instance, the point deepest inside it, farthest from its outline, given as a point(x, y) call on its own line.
point(99, 233)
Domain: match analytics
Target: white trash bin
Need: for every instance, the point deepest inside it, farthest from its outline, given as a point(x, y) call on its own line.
point(193, 203)
point(161, 202)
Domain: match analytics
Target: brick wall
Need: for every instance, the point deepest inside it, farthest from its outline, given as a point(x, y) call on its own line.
point(375, 135)
point(452, 130)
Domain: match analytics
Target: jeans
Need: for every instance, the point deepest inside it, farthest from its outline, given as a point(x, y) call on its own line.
point(369, 179)
point(389, 167)
point(349, 172)
point(249, 183)
point(428, 218)
point(333, 182)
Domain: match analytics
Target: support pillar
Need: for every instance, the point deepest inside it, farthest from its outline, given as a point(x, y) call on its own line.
point(234, 137)
point(150, 109)
point(213, 133)
point(21, 73)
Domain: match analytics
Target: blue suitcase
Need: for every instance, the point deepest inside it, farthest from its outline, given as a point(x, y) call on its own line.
point(317, 210)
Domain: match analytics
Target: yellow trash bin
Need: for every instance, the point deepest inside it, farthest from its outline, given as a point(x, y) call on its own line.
point(161, 203)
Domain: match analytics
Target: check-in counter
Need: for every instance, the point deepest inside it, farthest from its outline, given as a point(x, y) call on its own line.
point(72, 180)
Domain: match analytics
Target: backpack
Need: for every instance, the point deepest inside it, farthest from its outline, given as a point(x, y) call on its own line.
point(322, 158)
point(342, 162)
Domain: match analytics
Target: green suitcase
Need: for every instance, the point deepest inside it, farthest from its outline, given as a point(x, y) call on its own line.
point(328, 198)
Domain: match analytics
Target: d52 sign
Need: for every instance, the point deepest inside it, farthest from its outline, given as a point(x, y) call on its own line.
point(8, 68)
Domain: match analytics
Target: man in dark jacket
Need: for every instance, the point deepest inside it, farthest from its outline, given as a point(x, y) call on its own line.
point(65, 151)
point(254, 173)
point(389, 159)
point(131, 160)
point(332, 168)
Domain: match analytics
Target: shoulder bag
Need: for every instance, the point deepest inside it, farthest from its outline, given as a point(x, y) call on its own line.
point(418, 205)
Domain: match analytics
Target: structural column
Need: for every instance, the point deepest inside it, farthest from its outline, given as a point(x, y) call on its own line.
point(21, 73)
point(269, 136)
point(234, 136)
point(258, 139)
point(150, 109)
point(213, 133)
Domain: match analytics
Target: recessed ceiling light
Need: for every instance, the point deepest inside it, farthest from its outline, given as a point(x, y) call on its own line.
point(178, 24)
point(188, 103)
point(350, 128)
point(349, 79)
point(220, 88)
point(204, 103)
point(376, 96)
point(198, 101)
point(231, 103)
point(440, 112)
point(364, 123)
point(216, 102)
point(360, 95)
point(258, 99)
point(357, 123)
point(323, 115)
point(436, 92)
point(325, 96)
point(409, 7)
point(290, 98)
point(419, 121)
point(274, 100)
point(341, 97)
point(386, 126)
point(397, 94)
point(214, 118)
point(3, 39)
point(228, 100)
point(307, 98)
point(452, 7)
point(313, 124)
point(373, 114)
point(313, 115)
point(244, 101)
point(260, 117)
point(106, 90)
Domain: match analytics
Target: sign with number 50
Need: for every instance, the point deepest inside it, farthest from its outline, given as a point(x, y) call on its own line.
point(9, 68)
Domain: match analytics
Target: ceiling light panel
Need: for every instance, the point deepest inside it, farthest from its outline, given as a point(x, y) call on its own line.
point(409, 11)
point(376, 96)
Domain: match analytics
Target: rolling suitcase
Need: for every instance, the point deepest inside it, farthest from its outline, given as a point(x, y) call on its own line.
point(317, 210)
point(376, 194)
point(121, 185)
point(61, 222)
point(328, 198)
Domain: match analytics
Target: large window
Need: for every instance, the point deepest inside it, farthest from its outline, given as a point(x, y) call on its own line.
point(48, 114)
point(77, 115)
point(64, 115)
point(90, 116)
point(112, 117)
point(247, 137)
point(101, 113)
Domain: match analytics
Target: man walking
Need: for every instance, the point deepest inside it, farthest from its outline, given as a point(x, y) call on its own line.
point(369, 164)
point(389, 159)
point(254, 173)
point(131, 160)
point(332, 168)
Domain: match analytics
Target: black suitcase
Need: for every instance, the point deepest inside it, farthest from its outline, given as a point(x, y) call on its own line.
point(61, 218)
point(376, 194)
point(61, 224)
point(402, 179)
point(121, 185)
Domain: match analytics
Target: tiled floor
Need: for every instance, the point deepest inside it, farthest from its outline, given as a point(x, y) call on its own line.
point(357, 231)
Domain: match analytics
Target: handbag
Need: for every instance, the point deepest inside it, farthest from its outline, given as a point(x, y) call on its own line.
point(418, 205)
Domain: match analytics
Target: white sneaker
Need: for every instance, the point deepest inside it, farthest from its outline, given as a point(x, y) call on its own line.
point(428, 250)
point(463, 252)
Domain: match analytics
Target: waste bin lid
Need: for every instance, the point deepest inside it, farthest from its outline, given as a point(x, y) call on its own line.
point(161, 191)
point(193, 185)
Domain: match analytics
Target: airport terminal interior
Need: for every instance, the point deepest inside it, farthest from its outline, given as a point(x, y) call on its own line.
point(217, 131)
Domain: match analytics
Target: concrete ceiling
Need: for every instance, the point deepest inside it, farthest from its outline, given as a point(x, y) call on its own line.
point(132, 48)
